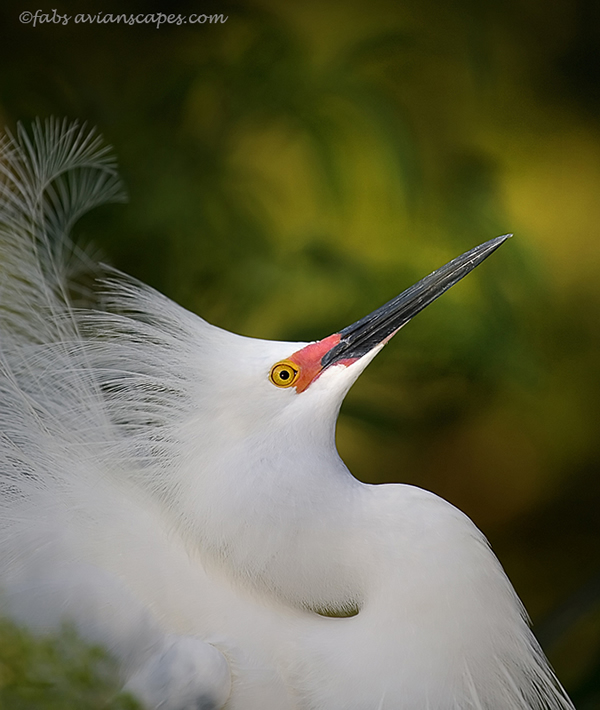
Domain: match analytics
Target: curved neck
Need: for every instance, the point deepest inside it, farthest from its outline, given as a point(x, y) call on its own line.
point(280, 521)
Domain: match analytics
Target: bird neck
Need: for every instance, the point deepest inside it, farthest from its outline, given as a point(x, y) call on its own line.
point(277, 518)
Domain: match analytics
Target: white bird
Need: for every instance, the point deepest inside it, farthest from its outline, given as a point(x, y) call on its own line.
point(175, 491)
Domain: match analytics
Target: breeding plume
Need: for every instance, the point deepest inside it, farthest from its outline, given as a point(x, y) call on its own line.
point(174, 491)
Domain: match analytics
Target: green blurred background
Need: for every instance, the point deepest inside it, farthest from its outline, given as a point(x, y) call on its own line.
point(296, 166)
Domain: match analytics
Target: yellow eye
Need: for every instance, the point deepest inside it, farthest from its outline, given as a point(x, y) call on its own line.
point(284, 373)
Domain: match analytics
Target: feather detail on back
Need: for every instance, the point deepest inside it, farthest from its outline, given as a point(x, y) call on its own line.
point(85, 386)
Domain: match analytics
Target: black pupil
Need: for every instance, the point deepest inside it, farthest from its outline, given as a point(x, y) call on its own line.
point(284, 375)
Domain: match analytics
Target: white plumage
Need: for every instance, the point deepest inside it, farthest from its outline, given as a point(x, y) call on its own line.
point(191, 513)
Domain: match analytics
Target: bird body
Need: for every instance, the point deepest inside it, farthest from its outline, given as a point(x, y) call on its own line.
point(175, 491)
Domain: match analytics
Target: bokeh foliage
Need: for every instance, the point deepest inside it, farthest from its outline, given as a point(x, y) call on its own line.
point(58, 672)
point(299, 165)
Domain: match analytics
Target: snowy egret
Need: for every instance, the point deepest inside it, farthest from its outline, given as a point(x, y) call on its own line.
point(174, 490)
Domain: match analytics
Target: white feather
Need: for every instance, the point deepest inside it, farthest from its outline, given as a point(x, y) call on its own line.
point(157, 490)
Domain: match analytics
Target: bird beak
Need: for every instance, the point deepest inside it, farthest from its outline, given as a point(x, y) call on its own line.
point(379, 326)
point(360, 338)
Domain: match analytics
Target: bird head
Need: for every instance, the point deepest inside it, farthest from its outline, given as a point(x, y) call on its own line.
point(255, 388)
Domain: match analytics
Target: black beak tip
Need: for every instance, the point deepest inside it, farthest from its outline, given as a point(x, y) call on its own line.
point(361, 337)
